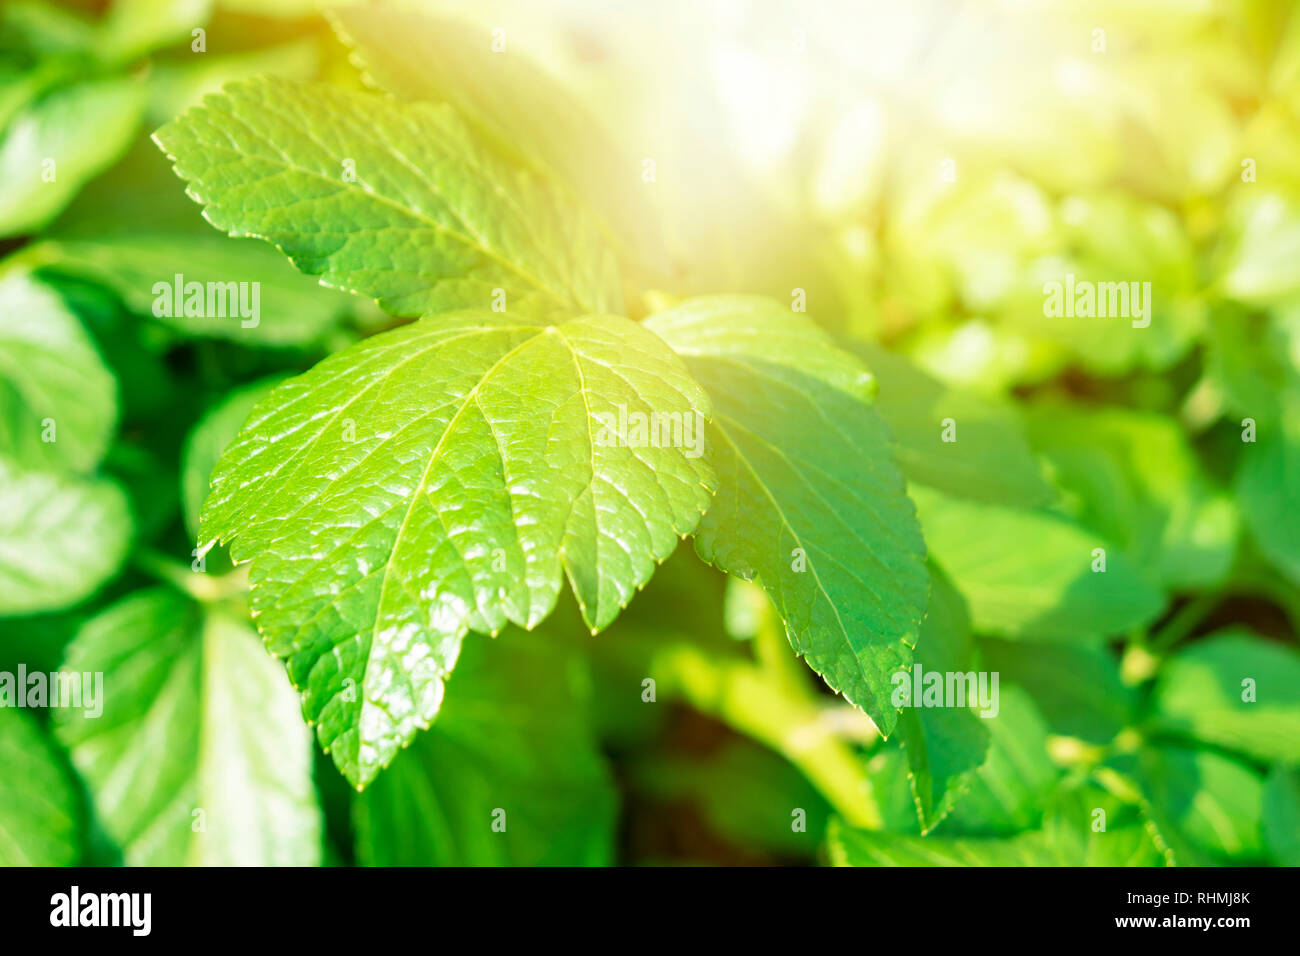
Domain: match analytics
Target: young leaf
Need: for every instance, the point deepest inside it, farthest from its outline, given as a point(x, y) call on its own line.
point(513, 746)
point(60, 538)
point(991, 461)
point(39, 816)
point(394, 201)
point(58, 403)
point(1234, 690)
point(1029, 574)
point(441, 477)
point(944, 746)
point(810, 503)
point(199, 756)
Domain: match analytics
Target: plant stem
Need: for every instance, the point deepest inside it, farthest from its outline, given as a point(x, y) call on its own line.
point(1181, 625)
point(208, 589)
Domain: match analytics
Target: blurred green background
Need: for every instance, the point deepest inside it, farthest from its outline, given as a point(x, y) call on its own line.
point(917, 172)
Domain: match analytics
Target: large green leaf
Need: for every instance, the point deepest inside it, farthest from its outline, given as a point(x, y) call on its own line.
point(80, 129)
point(945, 745)
point(1134, 479)
point(1029, 574)
point(517, 106)
point(990, 459)
point(58, 403)
point(445, 476)
point(394, 201)
point(810, 503)
point(60, 538)
point(199, 757)
point(514, 747)
point(1234, 690)
point(39, 815)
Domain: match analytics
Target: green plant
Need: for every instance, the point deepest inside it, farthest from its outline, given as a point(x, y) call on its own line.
point(537, 408)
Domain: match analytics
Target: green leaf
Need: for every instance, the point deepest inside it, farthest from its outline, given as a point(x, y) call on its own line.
point(944, 746)
point(291, 308)
point(1008, 791)
point(1233, 690)
point(60, 538)
point(1076, 686)
point(1281, 815)
point(1268, 485)
point(1138, 484)
point(990, 460)
point(210, 437)
point(441, 477)
point(199, 756)
point(1068, 838)
point(810, 503)
point(513, 747)
point(58, 403)
point(1028, 574)
point(39, 815)
point(394, 201)
point(82, 128)
point(1205, 799)
point(519, 108)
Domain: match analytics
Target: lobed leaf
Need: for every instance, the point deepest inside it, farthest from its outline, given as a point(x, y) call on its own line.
point(441, 477)
point(394, 201)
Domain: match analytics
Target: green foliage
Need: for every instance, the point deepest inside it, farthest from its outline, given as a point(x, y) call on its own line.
point(530, 314)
